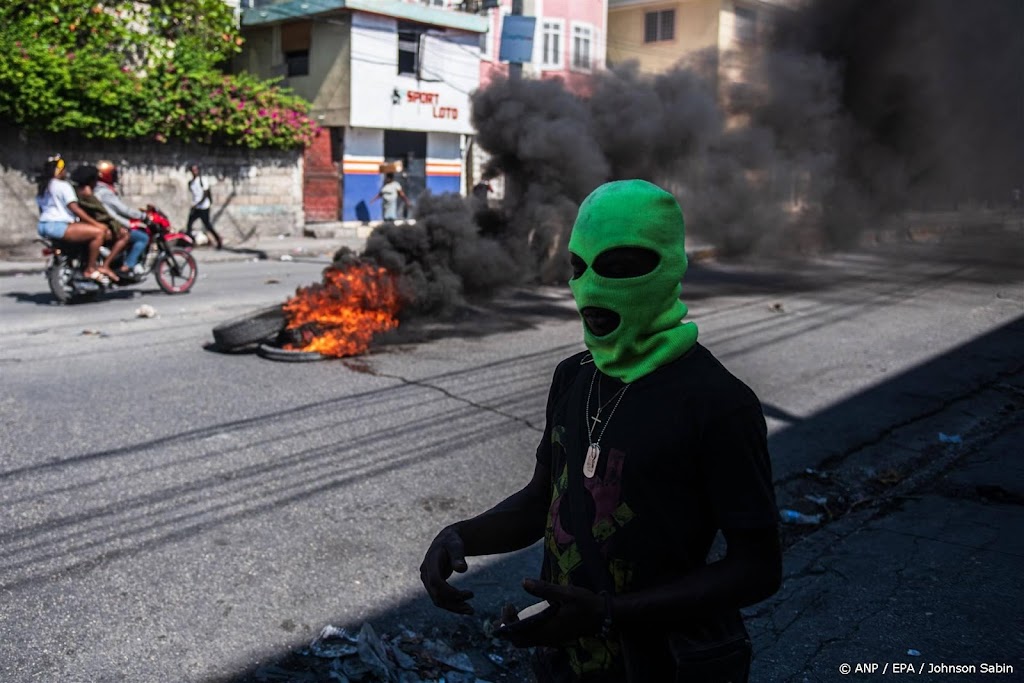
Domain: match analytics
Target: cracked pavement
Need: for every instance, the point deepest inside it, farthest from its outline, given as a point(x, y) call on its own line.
point(932, 566)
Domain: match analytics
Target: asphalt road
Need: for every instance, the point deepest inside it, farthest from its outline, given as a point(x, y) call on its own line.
point(175, 514)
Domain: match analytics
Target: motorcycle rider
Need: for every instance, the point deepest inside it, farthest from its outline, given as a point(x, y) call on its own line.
point(61, 218)
point(122, 213)
point(85, 178)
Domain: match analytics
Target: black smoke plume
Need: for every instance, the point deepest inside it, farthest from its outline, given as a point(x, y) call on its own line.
point(847, 114)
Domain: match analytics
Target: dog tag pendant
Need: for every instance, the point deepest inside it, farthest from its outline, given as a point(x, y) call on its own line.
point(590, 464)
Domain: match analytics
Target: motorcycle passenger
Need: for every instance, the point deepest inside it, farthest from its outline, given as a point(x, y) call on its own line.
point(122, 213)
point(85, 179)
point(61, 218)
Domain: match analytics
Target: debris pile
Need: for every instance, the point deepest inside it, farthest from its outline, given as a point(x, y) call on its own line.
point(408, 657)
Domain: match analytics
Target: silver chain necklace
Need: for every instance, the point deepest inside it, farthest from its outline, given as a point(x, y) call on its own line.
point(594, 450)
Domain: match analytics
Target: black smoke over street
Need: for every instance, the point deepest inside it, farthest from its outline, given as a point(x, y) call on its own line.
point(847, 114)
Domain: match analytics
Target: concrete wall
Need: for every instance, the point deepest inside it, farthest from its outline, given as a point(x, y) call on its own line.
point(254, 192)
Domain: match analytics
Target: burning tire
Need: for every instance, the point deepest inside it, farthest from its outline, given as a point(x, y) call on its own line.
point(250, 329)
point(271, 352)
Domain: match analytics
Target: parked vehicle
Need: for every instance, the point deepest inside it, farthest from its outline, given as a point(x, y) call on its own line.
point(172, 265)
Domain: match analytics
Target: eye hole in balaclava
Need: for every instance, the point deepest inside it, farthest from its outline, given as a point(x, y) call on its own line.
point(579, 266)
point(621, 262)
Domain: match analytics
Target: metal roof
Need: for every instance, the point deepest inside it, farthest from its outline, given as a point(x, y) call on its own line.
point(406, 11)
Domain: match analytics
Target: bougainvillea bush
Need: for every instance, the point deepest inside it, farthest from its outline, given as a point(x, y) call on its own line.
point(139, 70)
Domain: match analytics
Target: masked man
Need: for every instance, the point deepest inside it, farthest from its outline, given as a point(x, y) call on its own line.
point(650, 448)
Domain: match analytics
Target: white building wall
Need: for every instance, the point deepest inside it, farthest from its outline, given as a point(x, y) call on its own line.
point(438, 101)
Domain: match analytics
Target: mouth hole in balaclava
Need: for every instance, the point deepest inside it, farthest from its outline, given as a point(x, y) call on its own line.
point(618, 263)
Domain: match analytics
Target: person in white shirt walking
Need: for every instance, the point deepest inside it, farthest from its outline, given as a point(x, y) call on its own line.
point(201, 202)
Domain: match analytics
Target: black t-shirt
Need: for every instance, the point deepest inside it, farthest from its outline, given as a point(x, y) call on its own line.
point(684, 455)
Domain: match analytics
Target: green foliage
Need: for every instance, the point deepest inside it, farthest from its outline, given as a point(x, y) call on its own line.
point(121, 69)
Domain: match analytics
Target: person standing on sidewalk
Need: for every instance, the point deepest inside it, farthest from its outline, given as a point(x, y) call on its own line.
point(199, 187)
point(650, 448)
point(389, 194)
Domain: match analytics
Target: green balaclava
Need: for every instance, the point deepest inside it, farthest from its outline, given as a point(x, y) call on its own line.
point(633, 213)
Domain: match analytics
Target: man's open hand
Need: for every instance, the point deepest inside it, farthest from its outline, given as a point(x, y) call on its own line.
point(444, 556)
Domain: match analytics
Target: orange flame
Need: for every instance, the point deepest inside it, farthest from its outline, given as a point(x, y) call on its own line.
point(345, 311)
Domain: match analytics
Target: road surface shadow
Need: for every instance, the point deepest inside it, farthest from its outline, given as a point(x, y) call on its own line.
point(47, 299)
point(818, 441)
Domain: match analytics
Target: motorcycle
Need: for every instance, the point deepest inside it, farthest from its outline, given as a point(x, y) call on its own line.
point(167, 257)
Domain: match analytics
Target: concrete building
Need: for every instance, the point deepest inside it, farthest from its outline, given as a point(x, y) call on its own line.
point(658, 33)
point(569, 41)
point(389, 81)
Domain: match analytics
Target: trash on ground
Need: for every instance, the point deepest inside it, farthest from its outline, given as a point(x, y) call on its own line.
point(816, 473)
point(890, 477)
point(372, 653)
point(817, 500)
point(333, 642)
point(914, 653)
point(406, 657)
point(950, 438)
point(777, 308)
point(271, 281)
point(794, 517)
point(145, 311)
point(91, 333)
point(287, 257)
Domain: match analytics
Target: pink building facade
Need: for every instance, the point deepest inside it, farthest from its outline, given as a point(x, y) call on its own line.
point(569, 41)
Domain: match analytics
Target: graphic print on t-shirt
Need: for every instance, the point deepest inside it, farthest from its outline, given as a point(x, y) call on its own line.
point(611, 513)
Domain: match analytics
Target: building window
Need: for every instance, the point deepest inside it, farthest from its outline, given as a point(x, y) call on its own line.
point(408, 48)
point(659, 25)
point(745, 24)
point(296, 39)
point(297, 63)
point(551, 44)
point(582, 42)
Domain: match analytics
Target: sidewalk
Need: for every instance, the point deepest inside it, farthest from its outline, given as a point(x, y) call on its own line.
point(930, 575)
point(321, 241)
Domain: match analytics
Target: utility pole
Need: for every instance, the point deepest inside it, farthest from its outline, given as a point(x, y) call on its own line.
point(515, 69)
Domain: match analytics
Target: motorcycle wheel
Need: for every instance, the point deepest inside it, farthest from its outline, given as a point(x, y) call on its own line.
point(58, 276)
point(176, 271)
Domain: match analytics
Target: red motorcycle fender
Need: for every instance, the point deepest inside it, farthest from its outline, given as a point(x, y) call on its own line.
point(174, 236)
